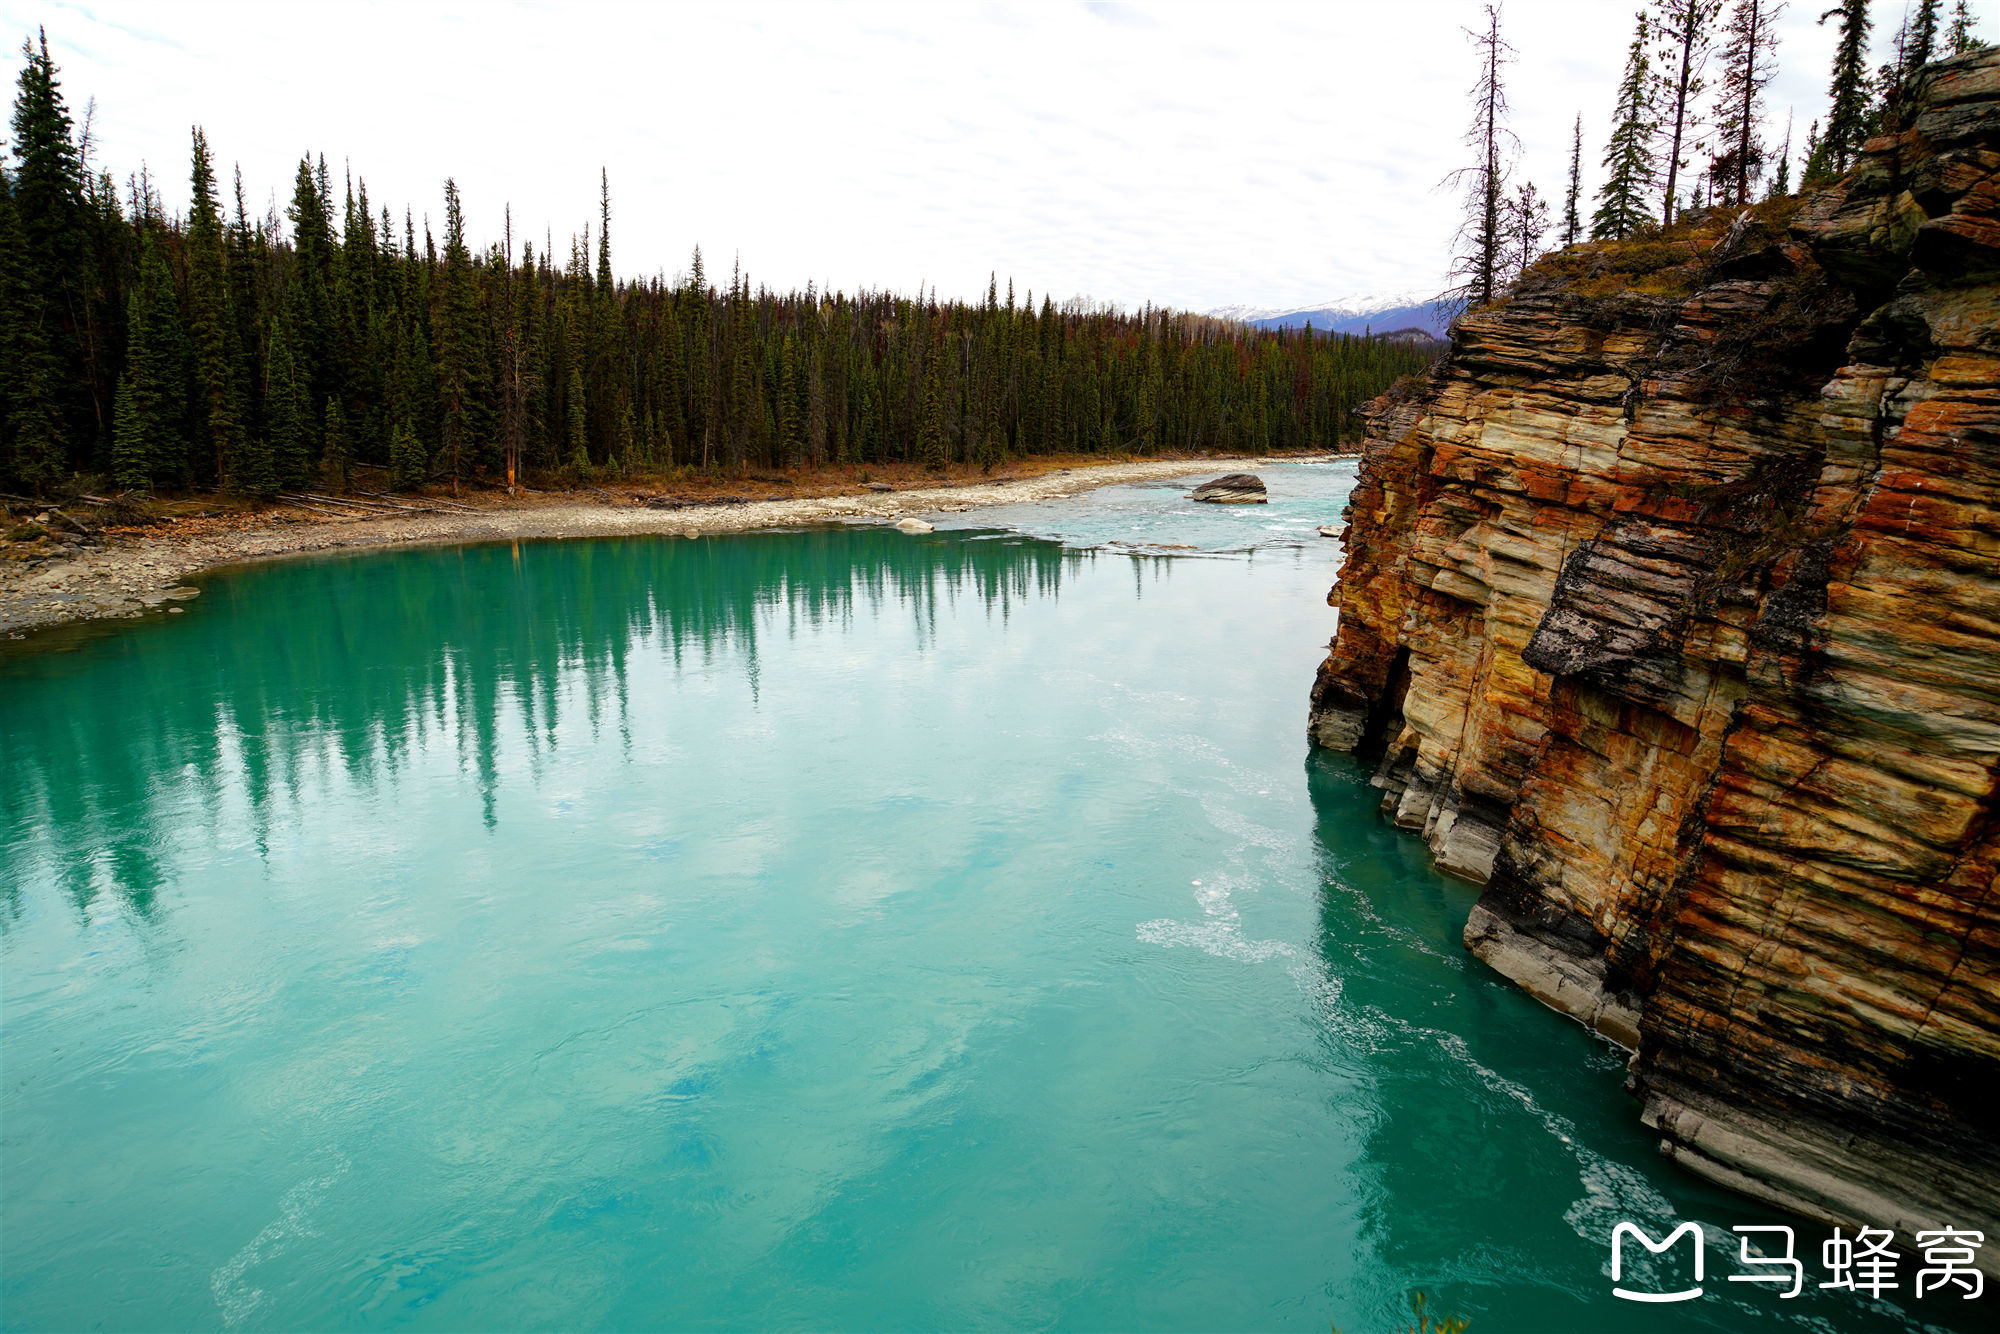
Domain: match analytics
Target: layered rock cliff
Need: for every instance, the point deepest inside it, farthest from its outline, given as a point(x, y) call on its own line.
point(1672, 603)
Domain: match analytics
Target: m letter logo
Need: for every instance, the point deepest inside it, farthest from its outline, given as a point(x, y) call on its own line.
point(1618, 1234)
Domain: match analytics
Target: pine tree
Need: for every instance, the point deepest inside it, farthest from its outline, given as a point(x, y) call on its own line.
point(407, 463)
point(152, 448)
point(248, 256)
point(336, 460)
point(816, 406)
point(1749, 63)
point(931, 444)
point(289, 418)
point(33, 438)
point(788, 406)
point(1962, 38)
point(458, 327)
point(1684, 30)
point(1847, 118)
point(1572, 222)
point(308, 307)
point(1475, 271)
point(211, 324)
point(1781, 180)
point(1921, 46)
point(1527, 222)
point(579, 425)
point(48, 197)
point(1628, 156)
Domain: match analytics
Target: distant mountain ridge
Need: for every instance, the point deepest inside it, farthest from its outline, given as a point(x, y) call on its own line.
point(1358, 314)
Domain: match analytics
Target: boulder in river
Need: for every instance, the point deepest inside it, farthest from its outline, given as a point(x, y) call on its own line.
point(1236, 488)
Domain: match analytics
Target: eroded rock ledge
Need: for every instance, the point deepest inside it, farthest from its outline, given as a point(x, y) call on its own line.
point(1672, 601)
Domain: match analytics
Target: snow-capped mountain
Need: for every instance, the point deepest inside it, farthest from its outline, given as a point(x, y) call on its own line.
point(1355, 314)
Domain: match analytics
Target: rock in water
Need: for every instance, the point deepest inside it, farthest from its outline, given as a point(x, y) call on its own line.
point(878, 486)
point(1237, 488)
point(915, 526)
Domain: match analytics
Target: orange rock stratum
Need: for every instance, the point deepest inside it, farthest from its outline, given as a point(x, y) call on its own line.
point(1672, 604)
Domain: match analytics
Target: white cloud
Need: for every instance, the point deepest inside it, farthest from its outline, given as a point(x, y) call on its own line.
point(1190, 155)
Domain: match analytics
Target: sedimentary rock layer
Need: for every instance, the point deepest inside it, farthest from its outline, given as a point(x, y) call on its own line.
point(1672, 600)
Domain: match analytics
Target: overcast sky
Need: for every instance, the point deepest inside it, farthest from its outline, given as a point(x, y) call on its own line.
point(1187, 155)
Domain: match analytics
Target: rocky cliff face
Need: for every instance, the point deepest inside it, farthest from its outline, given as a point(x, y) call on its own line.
point(1673, 603)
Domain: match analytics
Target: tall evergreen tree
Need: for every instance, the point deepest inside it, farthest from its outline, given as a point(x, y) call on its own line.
point(1749, 63)
point(1527, 222)
point(48, 195)
point(579, 424)
point(309, 286)
point(1781, 179)
point(1685, 33)
point(1846, 125)
point(287, 408)
point(1628, 156)
point(33, 436)
point(211, 324)
point(1962, 38)
point(336, 459)
point(1921, 43)
point(1475, 271)
point(788, 405)
point(407, 462)
point(457, 340)
point(1572, 220)
point(152, 448)
point(932, 447)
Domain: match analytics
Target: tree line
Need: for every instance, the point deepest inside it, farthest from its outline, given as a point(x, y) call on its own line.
point(1687, 126)
point(260, 354)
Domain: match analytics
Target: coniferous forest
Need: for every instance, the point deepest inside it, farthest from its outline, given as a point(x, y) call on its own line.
point(254, 354)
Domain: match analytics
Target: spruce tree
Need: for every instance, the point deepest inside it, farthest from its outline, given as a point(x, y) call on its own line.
point(1921, 45)
point(1749, 63)
point(308, 307)
point(152, 448)
point(1572, 221)
point(1628, 156)
point(289, 422)
point(931, 444)
point(458, 322)
point(788, 406)
point(816, 407)
point(33, 436)
point(336, 459)
point(1781, 179)
point(407, 461)
point(1527, 222)
point(248, 257)
point(211, 324)
point(1684, 31)
point(1962, 38)
point(1847, 118)
point(48, 196)
point(579, 425)
point(1475, 269)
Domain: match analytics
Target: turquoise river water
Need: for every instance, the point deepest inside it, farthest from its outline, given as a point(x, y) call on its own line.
point(832, 929)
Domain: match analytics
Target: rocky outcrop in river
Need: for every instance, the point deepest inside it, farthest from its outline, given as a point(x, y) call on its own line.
point(1672, 604)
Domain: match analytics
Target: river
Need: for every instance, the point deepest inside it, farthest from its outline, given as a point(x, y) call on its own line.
point(836, 929)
